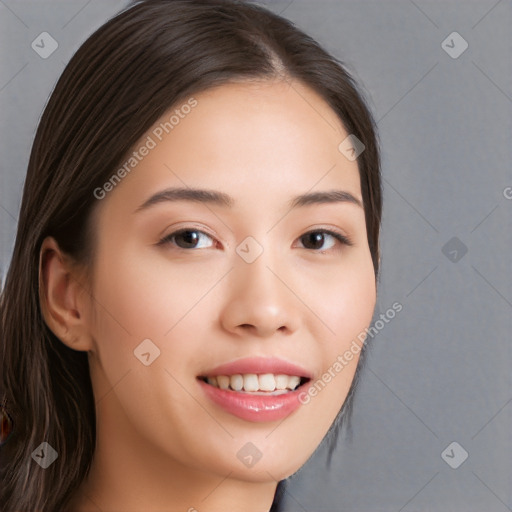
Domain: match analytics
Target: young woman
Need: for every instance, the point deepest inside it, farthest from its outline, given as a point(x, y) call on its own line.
point(196, 259)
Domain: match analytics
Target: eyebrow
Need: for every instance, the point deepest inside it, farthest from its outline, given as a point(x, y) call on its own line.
point(221, 199)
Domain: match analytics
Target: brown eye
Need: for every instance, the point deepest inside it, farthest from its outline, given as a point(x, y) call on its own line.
point(186, 239)
point(315, 240)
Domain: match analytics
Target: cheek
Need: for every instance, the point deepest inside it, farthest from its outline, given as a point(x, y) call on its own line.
point(149, 297)
point(137, 301)
point(343, 299)
point(352, 302)
point(345, 303)
point(140, 298)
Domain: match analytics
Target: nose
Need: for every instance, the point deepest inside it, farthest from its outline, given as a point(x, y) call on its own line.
point(260, 300)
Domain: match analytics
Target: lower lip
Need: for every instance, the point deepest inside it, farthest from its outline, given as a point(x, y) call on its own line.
point(255, 408)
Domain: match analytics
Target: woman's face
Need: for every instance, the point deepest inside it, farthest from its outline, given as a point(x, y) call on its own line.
point(243, 291)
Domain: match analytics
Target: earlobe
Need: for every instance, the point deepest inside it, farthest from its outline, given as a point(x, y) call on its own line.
point(60, 297)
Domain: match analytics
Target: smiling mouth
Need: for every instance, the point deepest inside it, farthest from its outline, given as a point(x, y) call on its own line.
point(266, 384)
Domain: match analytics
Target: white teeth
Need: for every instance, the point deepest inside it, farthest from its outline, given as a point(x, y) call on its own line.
point(281, 381)
point(253, 383)
point(236, 382)
point(223, 381)
point(267, 382)
point(293, 382)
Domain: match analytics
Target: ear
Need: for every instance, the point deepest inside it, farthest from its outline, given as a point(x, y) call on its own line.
point(64, 301)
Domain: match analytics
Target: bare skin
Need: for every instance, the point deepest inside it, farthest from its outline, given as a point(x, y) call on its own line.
point(161, 443)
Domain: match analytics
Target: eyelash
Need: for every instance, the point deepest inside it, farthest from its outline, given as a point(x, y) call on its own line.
point(342, 239)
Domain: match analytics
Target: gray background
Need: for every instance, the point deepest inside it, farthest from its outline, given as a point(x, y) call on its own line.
point(440, 370)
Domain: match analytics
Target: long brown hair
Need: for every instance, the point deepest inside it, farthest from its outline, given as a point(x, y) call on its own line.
point(121, 80)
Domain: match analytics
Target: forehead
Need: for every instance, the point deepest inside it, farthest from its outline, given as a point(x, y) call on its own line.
point(257, 141)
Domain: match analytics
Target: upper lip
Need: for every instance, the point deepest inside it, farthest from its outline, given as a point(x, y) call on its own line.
point(258, 365)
